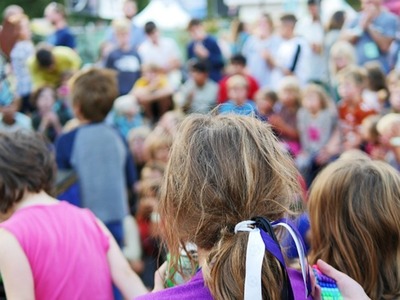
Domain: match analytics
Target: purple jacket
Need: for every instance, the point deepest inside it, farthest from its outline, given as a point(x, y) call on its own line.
point(196, 289)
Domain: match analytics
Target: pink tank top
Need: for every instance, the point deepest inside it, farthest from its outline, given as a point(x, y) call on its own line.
point(66, 249)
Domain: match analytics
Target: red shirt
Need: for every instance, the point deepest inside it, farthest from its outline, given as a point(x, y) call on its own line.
point(352, 117)
point(223, 90)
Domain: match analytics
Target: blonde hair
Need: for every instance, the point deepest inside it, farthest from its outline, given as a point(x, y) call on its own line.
point(354, 208)
point(393, 79)
point(290, 83)
point(341, 49)
point(121, 25)
point(324, 100)
point(125, 103)
point(222, 170)
point(155, 141)
point(237, 81)
point(386, 123)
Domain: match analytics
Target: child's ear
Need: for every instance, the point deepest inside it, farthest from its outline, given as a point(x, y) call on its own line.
point(77, 111)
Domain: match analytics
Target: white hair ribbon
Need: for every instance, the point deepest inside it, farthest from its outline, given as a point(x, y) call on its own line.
point(254, 258)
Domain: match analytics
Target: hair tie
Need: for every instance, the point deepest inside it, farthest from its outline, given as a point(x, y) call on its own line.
point(254, 257)
point(261, 238)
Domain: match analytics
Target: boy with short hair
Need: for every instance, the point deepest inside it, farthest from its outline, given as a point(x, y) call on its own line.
point(96, 151)
point(124, 59)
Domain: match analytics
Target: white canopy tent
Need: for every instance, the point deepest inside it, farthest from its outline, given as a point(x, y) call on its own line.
point(167, 14)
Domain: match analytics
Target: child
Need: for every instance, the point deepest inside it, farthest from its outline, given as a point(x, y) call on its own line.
point(342, 55)
point(376, 93)
point(265, 103)
point(394, 89)
point(389, 137)
point(21, 51)
point(135, 139)
point(158, 145)
point(10, 118)
point(50, 248)
point(153, 92)
point(50, 114)
point(222, 188)
point(355, 223)
point(351, 109)
point(238, 102)
point(284, 121)
point(126, 114)
point(224, 170)
point(96, 151)
point(316, 123)
point(370, 135)
point(199, 92)
point(124, 59)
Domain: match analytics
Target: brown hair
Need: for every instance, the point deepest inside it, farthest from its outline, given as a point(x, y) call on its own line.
point(267, 94)
point(36, 94)
point(26, 165)
point(93, 91)
point(354, 210)
point(375, 76)
point(319, 90)
point(225, 169)
point(336, 21)
point(353, 73)
point(17, 20)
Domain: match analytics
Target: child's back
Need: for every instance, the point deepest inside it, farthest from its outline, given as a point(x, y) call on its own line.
point(65, 248)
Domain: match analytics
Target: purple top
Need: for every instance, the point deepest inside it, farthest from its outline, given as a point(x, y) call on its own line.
point(196, 289)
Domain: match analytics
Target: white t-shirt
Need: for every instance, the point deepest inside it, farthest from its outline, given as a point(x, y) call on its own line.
point(285, 57)
point(160, 54)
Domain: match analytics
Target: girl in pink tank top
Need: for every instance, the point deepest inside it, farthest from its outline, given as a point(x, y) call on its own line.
point(51, 249)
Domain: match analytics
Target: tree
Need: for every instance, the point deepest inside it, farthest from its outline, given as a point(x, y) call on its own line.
point(33, 8)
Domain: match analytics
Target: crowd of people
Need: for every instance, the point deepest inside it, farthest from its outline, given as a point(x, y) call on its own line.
point(295, 122)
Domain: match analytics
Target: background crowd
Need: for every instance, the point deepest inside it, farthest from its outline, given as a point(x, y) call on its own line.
point(326, 89)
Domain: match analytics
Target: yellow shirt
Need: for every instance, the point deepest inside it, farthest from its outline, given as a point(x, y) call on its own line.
point(65, 59)
point(142, 82)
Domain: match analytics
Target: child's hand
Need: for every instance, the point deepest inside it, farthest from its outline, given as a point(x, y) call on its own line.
point(348, 287)
point(159, 278)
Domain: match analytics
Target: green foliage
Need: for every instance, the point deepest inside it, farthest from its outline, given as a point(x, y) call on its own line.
point(355, 4)
point(33, 8)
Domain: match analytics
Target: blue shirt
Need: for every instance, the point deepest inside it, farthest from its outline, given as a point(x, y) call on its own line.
point(62, 37)
point(366, 48)
point(247, 109)
point(127, 64)
point(215, 59)
point(104, 167)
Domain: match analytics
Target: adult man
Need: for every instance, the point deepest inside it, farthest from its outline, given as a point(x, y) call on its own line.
point(137, 35)
point(312, 29)
point(205, 47)
point(49, 64)
point(372, 32)
point(292, 55)
point(62, 36)
point(161, 51)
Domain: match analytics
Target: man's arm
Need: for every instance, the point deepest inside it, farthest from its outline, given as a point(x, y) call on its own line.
point(383, 42)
